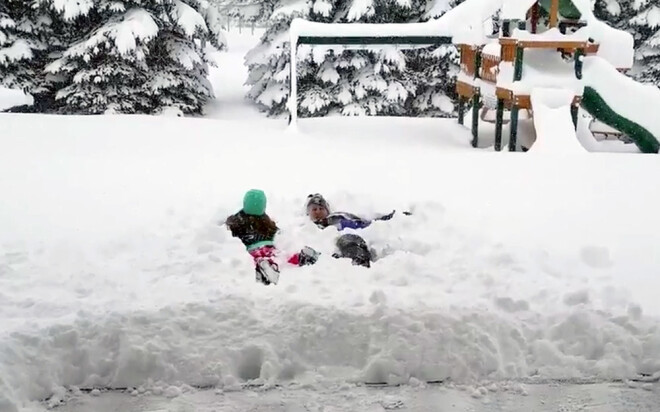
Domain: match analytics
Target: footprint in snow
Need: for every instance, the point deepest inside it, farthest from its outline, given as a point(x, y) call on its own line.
point(596, 257)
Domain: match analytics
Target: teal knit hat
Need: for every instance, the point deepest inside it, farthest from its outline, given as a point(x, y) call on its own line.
point(254, 202)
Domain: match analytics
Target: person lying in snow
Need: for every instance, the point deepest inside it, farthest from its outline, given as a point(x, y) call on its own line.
point(318, 211)
point(348, 245)
point(257, 232)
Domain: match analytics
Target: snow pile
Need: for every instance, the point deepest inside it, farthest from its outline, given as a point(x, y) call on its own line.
point(615, 46)
point(553, 34)
point(541, 68)
point(515, 9)
point(469, 22)
point(13, 97)
point(555, 132)
point(630, 99)
point(114, 272)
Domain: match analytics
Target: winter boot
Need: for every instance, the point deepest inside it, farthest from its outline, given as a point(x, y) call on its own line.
point(267, 272)
point(355, 248)
point(307, 256)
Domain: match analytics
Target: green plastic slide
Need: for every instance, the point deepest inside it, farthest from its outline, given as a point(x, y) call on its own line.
point(594, 103)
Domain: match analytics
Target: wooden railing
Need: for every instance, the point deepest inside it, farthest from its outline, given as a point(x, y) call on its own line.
point(489, 65)
point(468, 59)
point(508, 52)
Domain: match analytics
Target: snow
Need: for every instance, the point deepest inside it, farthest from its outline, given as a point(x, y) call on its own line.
point(91, 259)
point(581, 35)
point(516, 9)
point(188, 18)
point(541, 68)
point(301, 27)
point(510, 397)
point(466, 21)
point(616, 46)
point(359, 9)
point(492, 48)
point(19, 50)
point(125, 30)
point(114, 272)
point(7, 23)
point(630, 99)
point(11, 97)
point(649, 17)
point(71, 9)
point(322, 7)
point(137, 24)
point(291, 8)
point(555, 133)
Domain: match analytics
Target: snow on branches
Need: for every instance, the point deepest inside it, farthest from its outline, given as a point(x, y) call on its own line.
point(370, 80)
point(127, 56)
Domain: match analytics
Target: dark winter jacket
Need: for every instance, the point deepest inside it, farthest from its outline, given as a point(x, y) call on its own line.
point(253, 231)
point(343, 220)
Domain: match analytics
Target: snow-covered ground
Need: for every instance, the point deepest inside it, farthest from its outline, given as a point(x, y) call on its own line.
point(513, 269)
point(9, 98)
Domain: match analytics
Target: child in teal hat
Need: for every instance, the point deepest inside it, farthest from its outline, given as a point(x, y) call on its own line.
point(257, 232)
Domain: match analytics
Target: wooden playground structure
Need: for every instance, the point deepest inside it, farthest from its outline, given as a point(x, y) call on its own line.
point(534, 46)
point(477, 63)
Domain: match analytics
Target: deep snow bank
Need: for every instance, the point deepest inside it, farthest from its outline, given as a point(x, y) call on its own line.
point(114, 273)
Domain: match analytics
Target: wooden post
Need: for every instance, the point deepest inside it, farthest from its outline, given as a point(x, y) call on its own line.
point(535, 17)
point(518, 64)
point(475, 119)
point(514, 127)
point(554, 13)
point(578, 62)
point(477, 64)
point(506, 28)
point(499, 118)
point(461, 110)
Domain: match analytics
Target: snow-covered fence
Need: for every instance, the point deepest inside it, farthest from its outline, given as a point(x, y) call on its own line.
point(350, 35)
point(242, 15)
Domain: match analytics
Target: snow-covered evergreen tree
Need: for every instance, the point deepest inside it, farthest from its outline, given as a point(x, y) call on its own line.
point(268, 62)
point(27, 36)
point(137, 56)
point(647, 21)
point(95, 56)
point(374, 81)
point(438, 67)
point(379, 81)
point(641, 18)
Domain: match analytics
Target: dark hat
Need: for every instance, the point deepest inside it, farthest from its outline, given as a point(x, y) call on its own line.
point(318, 200)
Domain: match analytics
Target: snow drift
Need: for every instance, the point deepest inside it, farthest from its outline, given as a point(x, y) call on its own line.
point(115, 273)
